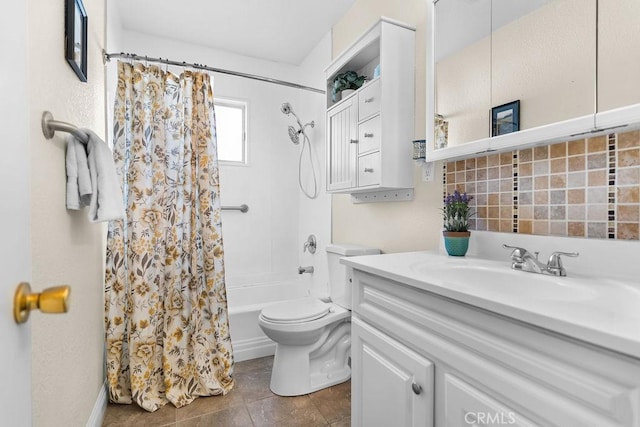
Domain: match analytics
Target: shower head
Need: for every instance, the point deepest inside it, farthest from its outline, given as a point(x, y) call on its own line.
point(294, 134)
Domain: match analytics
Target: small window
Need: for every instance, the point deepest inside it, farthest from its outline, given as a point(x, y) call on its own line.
point(231, 122)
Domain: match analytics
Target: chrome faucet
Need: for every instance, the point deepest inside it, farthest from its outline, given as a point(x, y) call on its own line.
point(523, 260)
point(302, 270)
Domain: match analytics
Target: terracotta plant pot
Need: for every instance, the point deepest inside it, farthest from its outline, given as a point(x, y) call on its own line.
point(456, 242)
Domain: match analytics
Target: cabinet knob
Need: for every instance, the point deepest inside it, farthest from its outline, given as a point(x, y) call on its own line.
point(368, 169)
point(417, 388)
point(368, 100)
point(353, 141)
point(368, 135)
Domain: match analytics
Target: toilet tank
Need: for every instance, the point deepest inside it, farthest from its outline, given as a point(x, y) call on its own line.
point(340, 276)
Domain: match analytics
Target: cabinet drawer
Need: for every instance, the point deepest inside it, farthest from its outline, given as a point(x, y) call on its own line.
point(369, 135)
point(369, 169)
point(465, 405)
point(369, 100)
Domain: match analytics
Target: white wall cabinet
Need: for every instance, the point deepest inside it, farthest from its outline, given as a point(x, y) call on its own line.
point(488, 369)
point(370, 131)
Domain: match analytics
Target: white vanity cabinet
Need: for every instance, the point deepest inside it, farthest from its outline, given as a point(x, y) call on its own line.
point(394, 383)
point(369, 132)
point(484, 368)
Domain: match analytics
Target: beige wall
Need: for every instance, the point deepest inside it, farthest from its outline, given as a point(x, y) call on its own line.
point(392, 226)
point(67, 349)
point(618, 54)
point(463, 92)
point(545, 59)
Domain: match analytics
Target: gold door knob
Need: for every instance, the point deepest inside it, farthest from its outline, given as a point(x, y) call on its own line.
point(51, 300)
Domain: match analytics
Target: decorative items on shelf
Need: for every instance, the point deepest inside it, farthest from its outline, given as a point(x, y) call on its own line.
point(419, 149)
point(456, 213)
point(347, 92)
point(441, 134)
point(345, 81)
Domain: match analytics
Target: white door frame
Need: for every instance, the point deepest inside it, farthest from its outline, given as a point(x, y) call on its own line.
point(15, 250)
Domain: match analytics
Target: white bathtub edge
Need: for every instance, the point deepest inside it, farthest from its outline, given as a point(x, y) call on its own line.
point(253, 348)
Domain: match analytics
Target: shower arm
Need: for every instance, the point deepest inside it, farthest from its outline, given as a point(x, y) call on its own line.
point(310, 124)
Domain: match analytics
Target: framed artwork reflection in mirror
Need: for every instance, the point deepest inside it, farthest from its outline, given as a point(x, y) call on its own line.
point(505, 118)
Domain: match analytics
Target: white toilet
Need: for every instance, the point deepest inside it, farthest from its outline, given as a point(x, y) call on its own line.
point(313, 337)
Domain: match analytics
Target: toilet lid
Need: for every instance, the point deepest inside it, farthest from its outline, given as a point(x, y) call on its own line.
point(302, 310)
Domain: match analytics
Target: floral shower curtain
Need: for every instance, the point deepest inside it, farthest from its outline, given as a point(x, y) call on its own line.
point(167, 333)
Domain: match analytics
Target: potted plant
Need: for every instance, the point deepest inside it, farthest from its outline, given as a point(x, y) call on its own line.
point(348, 80)
point(456, 213)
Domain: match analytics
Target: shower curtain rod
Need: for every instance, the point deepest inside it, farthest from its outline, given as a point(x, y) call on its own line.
point(107, 57)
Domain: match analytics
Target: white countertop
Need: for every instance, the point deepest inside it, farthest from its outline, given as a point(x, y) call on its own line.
point(597, 310)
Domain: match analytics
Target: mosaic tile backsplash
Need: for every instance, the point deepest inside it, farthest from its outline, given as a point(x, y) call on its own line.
point(585, 188)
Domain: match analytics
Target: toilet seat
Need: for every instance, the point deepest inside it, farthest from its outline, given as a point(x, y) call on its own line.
point(298, 311)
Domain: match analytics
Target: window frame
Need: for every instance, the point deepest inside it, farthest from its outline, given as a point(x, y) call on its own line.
point(243, 105)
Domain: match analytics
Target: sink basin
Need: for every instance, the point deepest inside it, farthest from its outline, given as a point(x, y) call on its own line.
point(600, 310)
point(499, 279)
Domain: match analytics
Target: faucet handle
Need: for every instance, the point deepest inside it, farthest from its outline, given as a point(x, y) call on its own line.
point(310, 244)
point(517, 253)
point(554, 265)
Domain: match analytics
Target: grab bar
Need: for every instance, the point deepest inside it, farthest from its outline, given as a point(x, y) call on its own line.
point(242, 208)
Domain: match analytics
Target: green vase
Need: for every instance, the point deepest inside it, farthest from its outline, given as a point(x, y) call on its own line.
point(456, 242)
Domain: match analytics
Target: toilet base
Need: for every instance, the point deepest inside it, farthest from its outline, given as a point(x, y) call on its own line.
point(299, 370)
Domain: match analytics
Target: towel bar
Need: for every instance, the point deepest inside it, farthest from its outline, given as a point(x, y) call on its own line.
point(50, 126)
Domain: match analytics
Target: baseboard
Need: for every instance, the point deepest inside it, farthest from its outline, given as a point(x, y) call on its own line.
point(253, 348)
point(99, 408)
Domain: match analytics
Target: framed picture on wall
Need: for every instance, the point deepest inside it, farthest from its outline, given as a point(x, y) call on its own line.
point(505, 118)
point(76, 37)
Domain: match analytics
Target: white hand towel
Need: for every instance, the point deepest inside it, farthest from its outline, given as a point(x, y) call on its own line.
point(106, 203)
point(73, 193)
point(84, 177)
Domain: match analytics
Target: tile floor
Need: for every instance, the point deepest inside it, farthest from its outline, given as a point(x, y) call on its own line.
point(250, 403)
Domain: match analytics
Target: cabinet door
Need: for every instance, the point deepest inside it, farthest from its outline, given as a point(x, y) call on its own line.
point(342, 128)
point(391, 385)
point(467, 406)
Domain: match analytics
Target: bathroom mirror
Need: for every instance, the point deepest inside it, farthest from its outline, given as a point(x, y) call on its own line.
point(462, 56)
point(538, 58)
point(618, 53)
point(543, 53)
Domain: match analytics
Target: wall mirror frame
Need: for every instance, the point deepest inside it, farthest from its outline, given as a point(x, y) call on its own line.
point(597, 122)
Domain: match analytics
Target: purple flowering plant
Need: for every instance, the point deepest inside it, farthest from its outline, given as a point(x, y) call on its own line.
point(456, 211)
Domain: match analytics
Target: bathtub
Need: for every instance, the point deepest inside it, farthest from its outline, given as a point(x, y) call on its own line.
point(245, 303)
